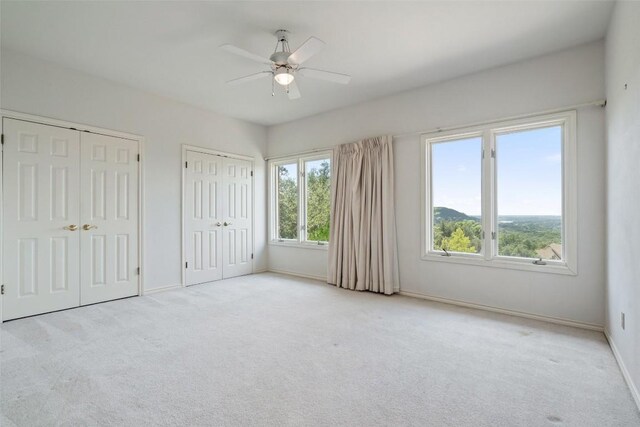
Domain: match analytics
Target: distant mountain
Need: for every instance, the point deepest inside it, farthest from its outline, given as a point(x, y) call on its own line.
point(447, 214)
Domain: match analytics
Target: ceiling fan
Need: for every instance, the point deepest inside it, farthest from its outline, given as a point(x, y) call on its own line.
point(286, 65)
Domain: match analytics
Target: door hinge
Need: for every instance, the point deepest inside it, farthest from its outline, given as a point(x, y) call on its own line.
point(138, 271)
point(251, 173)
point(493, 153)
point(493, 235)
point(186, 165)
point(2, 290)
point(138, 157)
point(186, 265)
point(251, 256)
point(2, 139)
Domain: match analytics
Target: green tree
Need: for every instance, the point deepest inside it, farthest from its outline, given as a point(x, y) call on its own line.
point(319, 202)
point(287, 204)
point(519, 235)
point(459, 242)
point(443, 230)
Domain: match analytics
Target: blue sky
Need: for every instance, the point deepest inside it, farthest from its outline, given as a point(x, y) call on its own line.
point(292, 168)
point(529, 167)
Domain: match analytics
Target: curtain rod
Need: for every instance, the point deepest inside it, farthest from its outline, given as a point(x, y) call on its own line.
point(598, 102)
point(301, 153)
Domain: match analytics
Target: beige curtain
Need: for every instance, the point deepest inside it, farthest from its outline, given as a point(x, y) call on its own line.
point(362, 246)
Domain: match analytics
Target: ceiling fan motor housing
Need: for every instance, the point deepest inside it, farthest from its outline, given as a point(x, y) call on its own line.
point(280, 58)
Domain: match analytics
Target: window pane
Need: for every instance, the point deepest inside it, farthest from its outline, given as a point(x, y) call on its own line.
point(456, 185)
point(288, 201)
point(529, 174)
point(318, 179)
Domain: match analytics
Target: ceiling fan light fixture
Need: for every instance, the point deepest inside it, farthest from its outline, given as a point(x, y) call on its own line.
point(283, 76)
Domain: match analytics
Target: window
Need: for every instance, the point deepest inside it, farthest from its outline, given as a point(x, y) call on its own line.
point(456, 195)
point(503, 194)
point(301, 200)
point(529, 193)
point(287, 195)
point(317, 175)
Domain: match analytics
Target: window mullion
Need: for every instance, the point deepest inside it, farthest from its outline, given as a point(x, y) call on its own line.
point(275, 225)
point(428, 200)
point(302, 205)
point(487, 194)
point(493, 160)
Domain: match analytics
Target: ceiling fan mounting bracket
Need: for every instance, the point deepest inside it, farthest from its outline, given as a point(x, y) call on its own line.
point(282, 35)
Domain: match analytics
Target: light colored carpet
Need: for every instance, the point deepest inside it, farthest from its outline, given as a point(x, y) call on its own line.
point(275, 350)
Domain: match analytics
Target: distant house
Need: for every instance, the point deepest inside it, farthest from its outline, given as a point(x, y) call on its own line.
point(552, 251)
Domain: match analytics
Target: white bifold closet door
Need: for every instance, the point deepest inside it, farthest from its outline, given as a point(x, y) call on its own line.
point(218, 217)
point(203, 217)
point(237, 232)
point(41, 199)
point(70, 219)
point(109, 216)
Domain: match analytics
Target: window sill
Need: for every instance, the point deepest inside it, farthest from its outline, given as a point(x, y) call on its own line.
point(300, 245)
point(551, 268)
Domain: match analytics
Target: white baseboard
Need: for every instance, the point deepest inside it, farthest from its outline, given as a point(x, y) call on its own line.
point(556, 320)
point(623, 369)
point(161, 289)
point(303, 275)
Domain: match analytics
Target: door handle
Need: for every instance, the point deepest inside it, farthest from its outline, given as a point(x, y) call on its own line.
point(88, 227)
point(226, 223)
point(71, 227)
point(218, 224)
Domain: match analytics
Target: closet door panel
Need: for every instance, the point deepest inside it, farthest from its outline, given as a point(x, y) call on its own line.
point(41, 215)
point(109, 218)
point(203, 198)
point(238, 233)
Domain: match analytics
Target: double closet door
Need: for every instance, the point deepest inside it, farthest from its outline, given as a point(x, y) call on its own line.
point(217, 217)
point(70, 218)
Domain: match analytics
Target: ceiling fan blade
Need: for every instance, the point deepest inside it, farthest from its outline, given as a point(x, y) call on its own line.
point(306, 51)
point(325, 75)
point(292, 91)
point(248, 78)
point(245, 54)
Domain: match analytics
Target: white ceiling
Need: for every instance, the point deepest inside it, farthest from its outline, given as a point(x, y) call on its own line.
point(170, 48)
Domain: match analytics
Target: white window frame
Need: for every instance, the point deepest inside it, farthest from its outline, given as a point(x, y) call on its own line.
point(301, 240)
point(489, 254)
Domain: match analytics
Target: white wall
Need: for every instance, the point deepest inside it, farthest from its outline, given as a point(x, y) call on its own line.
point(550, 82)
point(34, 86)
point(623, 215)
